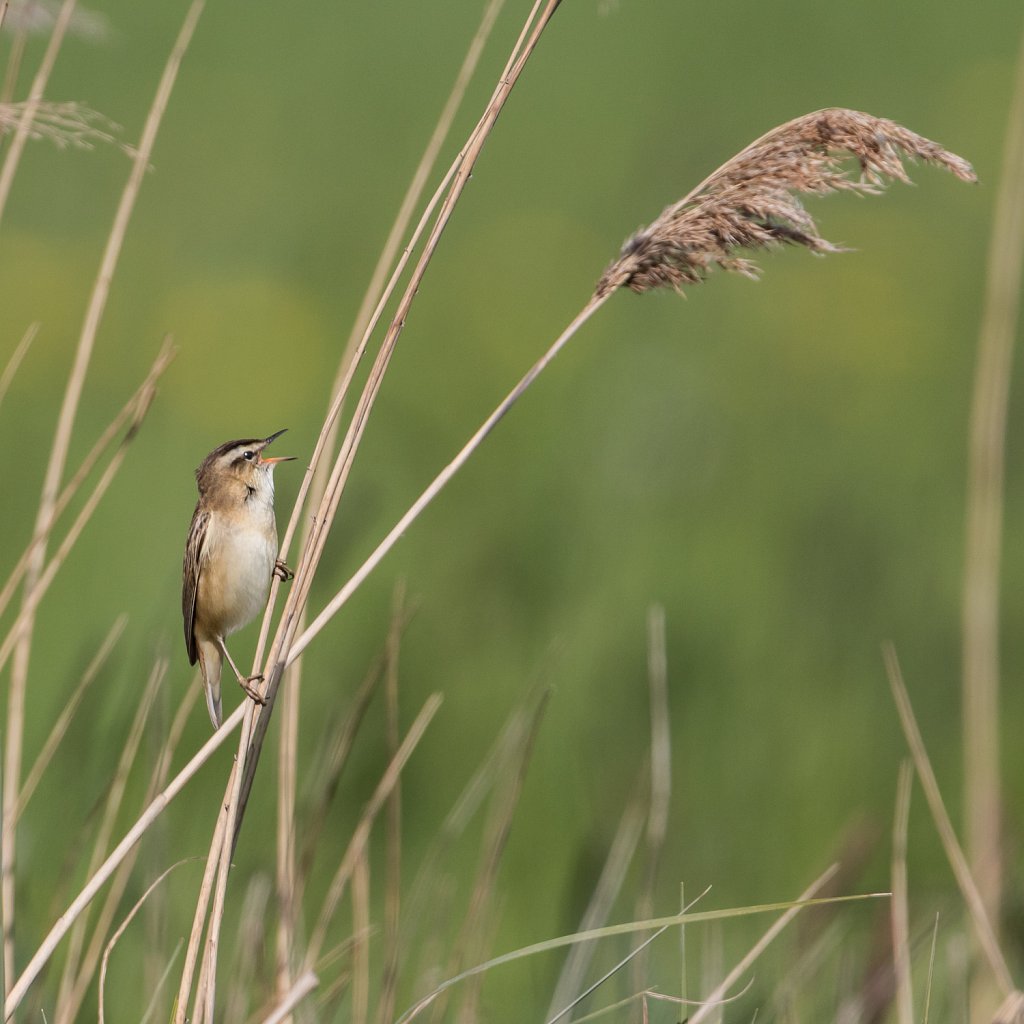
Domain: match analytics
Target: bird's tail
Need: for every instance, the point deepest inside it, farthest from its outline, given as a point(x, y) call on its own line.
point(210, 660)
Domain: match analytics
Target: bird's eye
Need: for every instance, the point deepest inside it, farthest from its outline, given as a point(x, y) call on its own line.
point(248, 456)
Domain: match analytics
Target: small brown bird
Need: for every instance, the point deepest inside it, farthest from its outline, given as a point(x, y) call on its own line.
point(230, 557)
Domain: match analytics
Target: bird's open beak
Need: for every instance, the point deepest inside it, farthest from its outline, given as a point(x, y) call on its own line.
point(279, 458)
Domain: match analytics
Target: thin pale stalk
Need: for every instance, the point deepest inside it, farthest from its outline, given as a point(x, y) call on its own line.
point(159, 986)
point(430, 898)
point(202, 905)
point(361, 834)
point(336, 759)
point(24, 130)
point(22, 626)
point(477, 926)
point(440, 482)
point(60, 727)
point(954, 853)
point(926, 1013)
point(393, 817)
point(609, 884)
point(122, 927)
point(299, 991)
point(78, 973)
point(133, 411)
point(715, 997)
point(984, 526)
point(251, 932)
point(361, 947)
point(206, 992)
point(285, 874)
point(16, 357)
point(62, 438)
point(899, 909)
point(160, 803)
point(661, 773)
point(328, 508)
point(608, 975)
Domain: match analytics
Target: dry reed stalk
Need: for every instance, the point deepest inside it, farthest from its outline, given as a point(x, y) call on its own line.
point(21, 628)
point(954, 853)
point(360, 1012)
point(35, 96)
point(361, 834)
point(203, 902)
point(899, 909)
point(16, 357)
point(715, 998)
point(599, 906)
point(62, 438)
point(122, 928)
point(60, 726)
point(250, 750)
point(279, 654)
point(984, 526)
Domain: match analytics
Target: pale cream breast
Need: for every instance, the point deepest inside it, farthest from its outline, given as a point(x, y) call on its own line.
point(238, 566)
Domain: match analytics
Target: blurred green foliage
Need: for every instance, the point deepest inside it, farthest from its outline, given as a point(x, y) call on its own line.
point(781, 465)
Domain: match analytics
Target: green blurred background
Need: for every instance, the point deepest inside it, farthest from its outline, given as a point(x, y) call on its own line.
point(780, 465)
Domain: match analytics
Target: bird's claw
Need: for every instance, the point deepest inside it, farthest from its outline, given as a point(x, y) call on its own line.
point(252, 690)
point(282, 572)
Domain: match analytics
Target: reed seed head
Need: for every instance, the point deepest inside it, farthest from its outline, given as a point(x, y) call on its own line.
point(752, 202)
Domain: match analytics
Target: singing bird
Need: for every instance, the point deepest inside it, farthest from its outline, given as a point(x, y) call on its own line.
point(230, 558)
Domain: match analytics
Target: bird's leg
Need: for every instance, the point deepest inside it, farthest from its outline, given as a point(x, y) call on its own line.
point(282, 572)
point(247, 683)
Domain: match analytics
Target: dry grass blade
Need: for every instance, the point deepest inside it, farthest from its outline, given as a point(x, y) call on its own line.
point(122, 927)
point(393, 820)
point(751, 203)
point(132, 413)
point(984, 526)
point(715, 998)
point(360, 1011)
point(899, 907)
point(16, 357)
point(65, 422)
point(60, 727)
point(252, 928)
point(661, 773)
point(78, 973)
point(954, 853)
point(361, 834)
point(299, 991)
point(478, 925)
point(609, 883)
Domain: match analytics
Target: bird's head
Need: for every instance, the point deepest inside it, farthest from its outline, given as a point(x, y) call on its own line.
point(240, 464)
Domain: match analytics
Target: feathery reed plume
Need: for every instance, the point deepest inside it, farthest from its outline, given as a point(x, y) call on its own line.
point(750, 202)
point(66, 125)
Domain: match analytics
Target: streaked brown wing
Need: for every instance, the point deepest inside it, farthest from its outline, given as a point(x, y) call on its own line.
point(190, 573)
